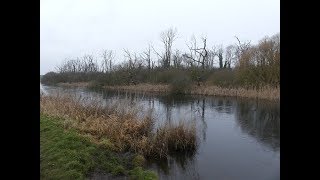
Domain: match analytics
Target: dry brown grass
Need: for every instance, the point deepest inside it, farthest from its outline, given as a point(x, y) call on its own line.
point(263, 93)
point(142, 87)
point(118, 126)
point(269, 93)
point(78, 84)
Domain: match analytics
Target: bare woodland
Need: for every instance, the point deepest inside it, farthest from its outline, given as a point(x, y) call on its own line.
point(240, 64)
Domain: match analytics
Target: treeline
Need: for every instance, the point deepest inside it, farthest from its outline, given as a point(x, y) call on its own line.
point(238, 65)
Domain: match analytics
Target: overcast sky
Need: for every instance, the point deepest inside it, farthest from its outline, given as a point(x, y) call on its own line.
point(73, 28)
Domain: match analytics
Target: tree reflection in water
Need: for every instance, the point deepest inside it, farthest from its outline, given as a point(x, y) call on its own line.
point(260, 119)
point(257, 118)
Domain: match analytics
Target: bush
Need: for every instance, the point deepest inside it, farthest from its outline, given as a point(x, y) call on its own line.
point(223, 78)
point(118, 170)
point(138, 160)
point(95, 84)
point(180, 84)
point(139, 173)
point(51, 78)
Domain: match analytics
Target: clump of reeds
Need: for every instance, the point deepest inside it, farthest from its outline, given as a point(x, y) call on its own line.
point(118, 125)
point(271, 93)
point(173, 137)
point(75, 84)
point(141, 87)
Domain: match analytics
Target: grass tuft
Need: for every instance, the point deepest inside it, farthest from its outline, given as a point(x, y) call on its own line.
point(139, 174)
point(118, 126)
point(64, 154)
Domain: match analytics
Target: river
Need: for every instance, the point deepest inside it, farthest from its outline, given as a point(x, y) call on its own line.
point(239, 138)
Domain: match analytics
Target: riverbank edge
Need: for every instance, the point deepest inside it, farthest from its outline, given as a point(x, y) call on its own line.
point(267, 93)
point(52, 131)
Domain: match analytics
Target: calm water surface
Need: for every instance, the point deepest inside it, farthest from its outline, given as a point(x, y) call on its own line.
point(239, 138)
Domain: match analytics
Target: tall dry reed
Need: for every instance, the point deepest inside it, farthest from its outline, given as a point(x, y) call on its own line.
point(270, 93)
point(118, 126)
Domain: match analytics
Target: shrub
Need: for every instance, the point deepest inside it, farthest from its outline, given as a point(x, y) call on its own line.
point(118, 126)
point(223, 78)
point(138, 173)
point(138, 160)
point(180, 84)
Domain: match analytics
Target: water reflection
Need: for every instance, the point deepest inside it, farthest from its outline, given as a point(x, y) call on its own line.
point(223, 105)
point(261, 120)
point(223, 151)
point(181, 160)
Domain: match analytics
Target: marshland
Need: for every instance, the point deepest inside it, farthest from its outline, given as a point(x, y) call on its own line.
point(172, 90)
point(167, 120)
point(173, 136)
point(241, 69)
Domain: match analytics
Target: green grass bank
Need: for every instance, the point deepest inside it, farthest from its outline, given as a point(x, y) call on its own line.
point(64, 154)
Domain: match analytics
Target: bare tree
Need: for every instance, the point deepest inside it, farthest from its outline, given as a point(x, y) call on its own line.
point(177, 59)
point(219, 53)
point(260, 63)
point(230, 55)
point(62, 68)
point(243, 46)
point(146, 56)
point(87, 64)
point(108, 56)
point(211, 58)
point(242, 49)
point(69, 65)
point(91, 64)
point(199, 55)
point(133, 62)
point(167, 38)
point(132, 58)
point(187, 61)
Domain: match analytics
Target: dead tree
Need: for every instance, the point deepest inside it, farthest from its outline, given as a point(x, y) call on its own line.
point(132, 61)
point(146, 56)
point(187, 61)
point(230, 55)
point(199, 55)
point(242, 48)
point(167, 38)
point(91, 65)
point(177, 59)
point(217, 51)
point(211, 59)
point(108, 56)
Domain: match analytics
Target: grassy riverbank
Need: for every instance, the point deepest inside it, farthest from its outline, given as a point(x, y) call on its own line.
point(80, 136)
point(269, 93)
point(64, 154)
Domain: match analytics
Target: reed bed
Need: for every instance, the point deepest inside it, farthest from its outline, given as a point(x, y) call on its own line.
point(78, 84)
point(118, 126)
point(270, 93)
point(142, 87)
